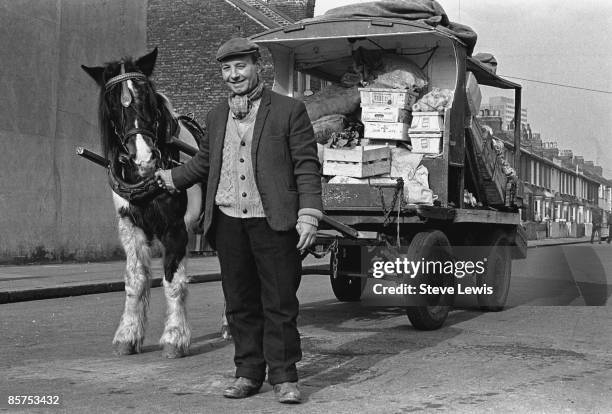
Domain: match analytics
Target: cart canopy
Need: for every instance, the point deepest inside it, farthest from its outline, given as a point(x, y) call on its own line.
point(428, 12)
point(485, 76)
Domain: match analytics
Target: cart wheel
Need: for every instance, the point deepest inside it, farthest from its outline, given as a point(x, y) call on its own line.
point(347, 288)
point(497, 275)
point(431, 245)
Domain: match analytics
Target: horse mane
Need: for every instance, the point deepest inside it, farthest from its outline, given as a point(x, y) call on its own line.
point(168, 116)
point(163, 99)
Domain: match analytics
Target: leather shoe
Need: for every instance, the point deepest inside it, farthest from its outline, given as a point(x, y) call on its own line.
point(242, 388)
point(288, 393)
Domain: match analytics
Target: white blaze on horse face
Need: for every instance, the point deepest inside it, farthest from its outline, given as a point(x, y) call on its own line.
point(144, 155)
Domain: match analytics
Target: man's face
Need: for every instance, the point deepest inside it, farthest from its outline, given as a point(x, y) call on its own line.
point(240, 73)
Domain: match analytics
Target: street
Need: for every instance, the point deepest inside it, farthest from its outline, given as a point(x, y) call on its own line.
point(527, 358)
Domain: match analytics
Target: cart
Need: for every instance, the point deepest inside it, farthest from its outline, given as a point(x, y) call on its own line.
point(363, 222)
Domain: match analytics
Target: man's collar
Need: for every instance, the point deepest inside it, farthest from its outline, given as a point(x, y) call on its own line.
point(265, 96)
point(265, 99)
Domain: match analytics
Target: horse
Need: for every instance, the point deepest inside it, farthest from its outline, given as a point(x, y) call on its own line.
point(139, 134)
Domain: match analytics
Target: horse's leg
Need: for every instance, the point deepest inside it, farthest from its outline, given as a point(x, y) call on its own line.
point(131, 331)
point(177, 336)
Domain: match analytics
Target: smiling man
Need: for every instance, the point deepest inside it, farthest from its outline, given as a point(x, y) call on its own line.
point(260, 169)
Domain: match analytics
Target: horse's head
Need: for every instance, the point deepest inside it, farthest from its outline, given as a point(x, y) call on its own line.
point(130, 115)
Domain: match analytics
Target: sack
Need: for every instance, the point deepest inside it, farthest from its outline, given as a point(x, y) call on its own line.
point(404, 163)
point(399, 72)
point(333, 99)
point(435, 101)
point(417, 193)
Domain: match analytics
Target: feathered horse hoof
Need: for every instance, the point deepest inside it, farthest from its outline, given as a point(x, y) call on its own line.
point(173, 352)
point(124, 348)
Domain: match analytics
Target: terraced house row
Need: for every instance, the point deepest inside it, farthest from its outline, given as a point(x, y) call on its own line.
point(563, 194)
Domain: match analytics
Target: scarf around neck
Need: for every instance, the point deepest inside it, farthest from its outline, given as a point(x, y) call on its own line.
point(240, 105)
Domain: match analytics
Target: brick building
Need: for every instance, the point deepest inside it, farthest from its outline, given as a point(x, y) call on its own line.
point(189, 32)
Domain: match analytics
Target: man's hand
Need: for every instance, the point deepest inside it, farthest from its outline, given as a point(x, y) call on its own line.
point(308, 234)
point(164, 180)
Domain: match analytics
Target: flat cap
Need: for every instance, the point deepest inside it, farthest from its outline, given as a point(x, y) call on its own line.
point(236, 46)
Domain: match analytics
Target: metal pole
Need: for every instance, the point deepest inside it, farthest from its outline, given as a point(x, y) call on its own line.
point(183, 147)
point(517, 130)
point(92, 156)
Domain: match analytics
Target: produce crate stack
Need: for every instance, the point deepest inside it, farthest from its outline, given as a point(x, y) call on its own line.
point(426, 132)
point(386, 114)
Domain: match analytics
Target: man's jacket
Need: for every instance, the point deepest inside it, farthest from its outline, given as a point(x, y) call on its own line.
point(284, 158)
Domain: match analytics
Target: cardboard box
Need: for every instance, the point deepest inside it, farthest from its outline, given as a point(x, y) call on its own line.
point(359, 162)
point(427, 122)
point(472, 91)
point(386, 130)
point(391, 97)
point(383, 113)
point(426, 143)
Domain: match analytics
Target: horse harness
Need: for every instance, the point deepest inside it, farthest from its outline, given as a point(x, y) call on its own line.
point(126, 101)
point(147, 189)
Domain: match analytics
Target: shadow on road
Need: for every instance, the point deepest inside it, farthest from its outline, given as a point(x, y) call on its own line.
point(330, 359)
point(561, 275)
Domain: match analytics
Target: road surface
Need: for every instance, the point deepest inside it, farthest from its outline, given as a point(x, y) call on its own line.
point(528, 358)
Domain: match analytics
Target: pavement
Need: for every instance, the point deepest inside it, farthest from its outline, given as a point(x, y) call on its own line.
point(35, 282)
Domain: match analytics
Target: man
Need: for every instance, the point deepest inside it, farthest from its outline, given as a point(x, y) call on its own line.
point(596, 225)
point(609, 228)
point(263, 201)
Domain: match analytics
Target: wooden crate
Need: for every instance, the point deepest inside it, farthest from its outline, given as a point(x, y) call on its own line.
point(359, 162)
point(426, 143)
point(383, 113)
point(430, 122)
point(387, 96)
point(386, 130)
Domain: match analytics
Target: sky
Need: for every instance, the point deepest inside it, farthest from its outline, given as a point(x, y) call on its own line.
point(559, 41)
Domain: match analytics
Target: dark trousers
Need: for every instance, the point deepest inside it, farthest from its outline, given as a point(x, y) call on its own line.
point(260, 272)
point(596, 229)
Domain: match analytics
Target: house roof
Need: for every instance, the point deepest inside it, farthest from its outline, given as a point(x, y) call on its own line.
point(265, 15)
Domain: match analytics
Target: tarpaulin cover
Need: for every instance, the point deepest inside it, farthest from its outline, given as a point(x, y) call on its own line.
point(488, 60)
point(429, 12)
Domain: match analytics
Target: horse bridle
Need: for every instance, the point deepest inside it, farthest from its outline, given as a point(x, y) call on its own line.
point(126, 101)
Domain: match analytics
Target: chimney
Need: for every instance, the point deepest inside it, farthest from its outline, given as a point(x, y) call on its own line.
point(550, 151)
point(495, 122)
point(566, 158)
point(598, 170)
point(588, 166)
